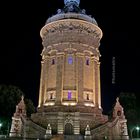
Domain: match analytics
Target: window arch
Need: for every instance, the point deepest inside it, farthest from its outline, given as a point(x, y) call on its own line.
point(68, 130)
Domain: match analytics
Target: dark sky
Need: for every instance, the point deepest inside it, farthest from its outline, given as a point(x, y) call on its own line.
point(21, 46)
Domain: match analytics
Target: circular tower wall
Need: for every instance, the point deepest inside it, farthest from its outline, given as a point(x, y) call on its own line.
point(69, 97)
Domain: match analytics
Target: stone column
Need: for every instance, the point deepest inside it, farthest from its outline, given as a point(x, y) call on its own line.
point(46, 68)
point(93, 66)
point(59, 78)
point(77, 123)
point(40, 92)
point(97, 83)
point(60, 123)
point(42, 83)
point(79, 77)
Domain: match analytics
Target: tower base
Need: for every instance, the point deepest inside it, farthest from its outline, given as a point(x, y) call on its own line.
point(69, 120)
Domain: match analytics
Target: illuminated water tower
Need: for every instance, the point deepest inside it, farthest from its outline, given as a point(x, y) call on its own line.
point(70, 96)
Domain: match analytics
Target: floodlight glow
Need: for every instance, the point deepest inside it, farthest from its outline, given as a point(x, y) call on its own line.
point(137, 128)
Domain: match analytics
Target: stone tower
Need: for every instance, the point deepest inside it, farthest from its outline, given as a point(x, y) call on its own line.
point(119, 112)
point(16, 126)
point(70, 96)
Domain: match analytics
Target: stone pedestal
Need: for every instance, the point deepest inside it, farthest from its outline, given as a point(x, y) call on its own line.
point(87, 133)
point(48, 132)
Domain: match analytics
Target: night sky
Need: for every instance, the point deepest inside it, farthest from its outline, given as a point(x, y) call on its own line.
point(20, 46)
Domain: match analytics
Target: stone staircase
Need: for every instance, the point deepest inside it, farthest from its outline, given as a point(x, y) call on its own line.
point(32, 130)
point(73, 137)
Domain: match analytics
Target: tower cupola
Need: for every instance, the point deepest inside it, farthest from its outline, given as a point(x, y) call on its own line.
point(67, 2)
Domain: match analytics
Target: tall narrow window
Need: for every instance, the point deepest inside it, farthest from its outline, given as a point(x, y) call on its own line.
point(69, 95)
point(87, 96)
point(51, 95)
point(20, 110)
point(70, 60)
point(87, 61)
point(53, 61)
point(119, 113)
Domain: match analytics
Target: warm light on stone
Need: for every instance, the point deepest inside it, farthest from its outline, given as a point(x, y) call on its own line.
point(70, 92)
point(68, 104)
point(49, 104)
point(89, 104)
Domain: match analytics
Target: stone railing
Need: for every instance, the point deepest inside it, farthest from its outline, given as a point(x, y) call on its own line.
point(31, 129)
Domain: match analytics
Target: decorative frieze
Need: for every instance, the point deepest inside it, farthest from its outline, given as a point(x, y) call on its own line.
point(71, 31)
point(73, 25)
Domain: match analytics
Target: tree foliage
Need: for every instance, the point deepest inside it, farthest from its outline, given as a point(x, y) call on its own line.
point(131, 109)
point(29, 107)
point(10, 96)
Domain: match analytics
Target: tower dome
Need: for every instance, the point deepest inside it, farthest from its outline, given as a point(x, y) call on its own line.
point(69, 1)
point(71, 10)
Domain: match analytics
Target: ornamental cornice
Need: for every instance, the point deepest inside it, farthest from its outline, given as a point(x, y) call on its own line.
point(71, 24)
point(96, 58)
point(88, 53)
point(70, 37)
point(60, 53)
point(80, 54)
point(70, 48)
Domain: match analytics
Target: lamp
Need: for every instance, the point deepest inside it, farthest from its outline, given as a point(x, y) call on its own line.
point(134, 128)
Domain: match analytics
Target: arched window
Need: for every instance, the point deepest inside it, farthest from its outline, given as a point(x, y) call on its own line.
point(53, 61)
point(87, 61)
point(51, 95)
point(68, 129)
point(20, 111)
point(87, 96)
point(119, 113)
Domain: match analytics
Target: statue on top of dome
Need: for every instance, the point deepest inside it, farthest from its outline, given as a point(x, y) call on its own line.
point(70, 1)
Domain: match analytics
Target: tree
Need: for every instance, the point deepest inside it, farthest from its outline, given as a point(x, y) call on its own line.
point(131, 109)
point(29, 107)
point(10, 96)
